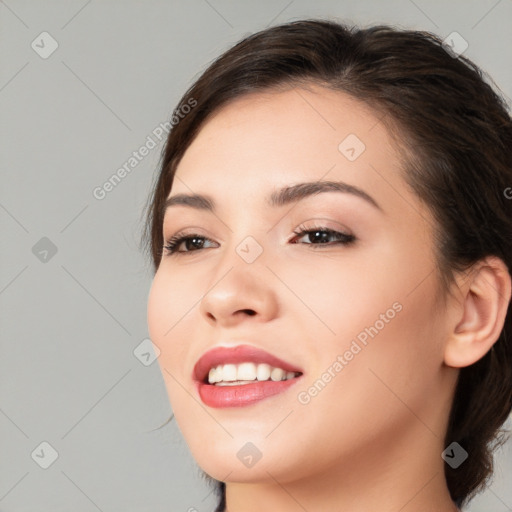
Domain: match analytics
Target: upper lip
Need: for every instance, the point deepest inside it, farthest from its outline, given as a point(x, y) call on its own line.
point(236, 355)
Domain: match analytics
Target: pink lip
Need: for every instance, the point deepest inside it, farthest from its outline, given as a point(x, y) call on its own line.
point(236, 355)
point(243, 394)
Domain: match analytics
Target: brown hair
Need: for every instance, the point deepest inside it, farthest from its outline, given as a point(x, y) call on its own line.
point(456, 133)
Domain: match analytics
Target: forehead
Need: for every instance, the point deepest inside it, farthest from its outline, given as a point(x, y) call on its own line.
point(267, 131)
point(266, 140)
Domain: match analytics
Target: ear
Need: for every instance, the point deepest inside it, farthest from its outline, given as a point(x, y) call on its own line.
point(480, 315)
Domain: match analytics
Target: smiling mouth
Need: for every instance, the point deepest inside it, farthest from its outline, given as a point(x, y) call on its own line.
point(242, 375)
point(247, 373)
point(244, 392)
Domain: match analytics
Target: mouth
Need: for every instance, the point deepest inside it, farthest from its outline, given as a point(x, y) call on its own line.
point(241, 375)
point(245, 373)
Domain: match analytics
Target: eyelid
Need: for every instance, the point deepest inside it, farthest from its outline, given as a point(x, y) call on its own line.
point(326, 222)
point(345, 236)
point(321, 222)
point(191, 230)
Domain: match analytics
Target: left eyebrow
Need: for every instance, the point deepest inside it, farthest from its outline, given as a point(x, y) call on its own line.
point(300, 191)
point(279, 198)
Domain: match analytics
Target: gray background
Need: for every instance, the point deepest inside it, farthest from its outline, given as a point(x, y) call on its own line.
point(71, 321)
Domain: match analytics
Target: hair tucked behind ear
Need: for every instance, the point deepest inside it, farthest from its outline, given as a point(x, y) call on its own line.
point(456, 135)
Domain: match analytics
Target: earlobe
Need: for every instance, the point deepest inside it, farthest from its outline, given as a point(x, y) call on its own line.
point(481, 315)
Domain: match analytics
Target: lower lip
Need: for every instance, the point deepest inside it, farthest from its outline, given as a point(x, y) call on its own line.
point(244, 394)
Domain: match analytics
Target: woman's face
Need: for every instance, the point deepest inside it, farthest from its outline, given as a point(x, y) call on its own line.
point(356, 315)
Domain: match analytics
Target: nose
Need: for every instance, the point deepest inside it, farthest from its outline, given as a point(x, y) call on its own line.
point(239, 290)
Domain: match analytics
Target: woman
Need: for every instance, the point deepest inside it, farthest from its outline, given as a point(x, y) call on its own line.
point(332, 239)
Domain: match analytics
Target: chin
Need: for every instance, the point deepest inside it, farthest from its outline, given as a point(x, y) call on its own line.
point(242, 462)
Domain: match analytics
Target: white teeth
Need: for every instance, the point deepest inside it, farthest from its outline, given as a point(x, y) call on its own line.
point(277, 374)
point(263, 372)
point(229, 372)
point(245, 373)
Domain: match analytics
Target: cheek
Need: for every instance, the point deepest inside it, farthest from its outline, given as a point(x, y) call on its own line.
point(170, 308)
point(165, 316)
point(379, 314)
point(171, 298)
point(337, 299)
point(380, 387)
point(391, 377)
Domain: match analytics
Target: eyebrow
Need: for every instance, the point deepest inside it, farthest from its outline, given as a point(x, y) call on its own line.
point(279, 198)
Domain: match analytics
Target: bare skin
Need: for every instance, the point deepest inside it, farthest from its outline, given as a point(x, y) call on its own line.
point(372, 437)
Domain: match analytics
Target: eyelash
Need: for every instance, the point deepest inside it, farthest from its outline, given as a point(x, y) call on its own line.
point(174, 242)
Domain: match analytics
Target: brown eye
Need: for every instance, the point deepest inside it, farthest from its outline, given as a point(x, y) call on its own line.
point(192, 242)
point(321, 236)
